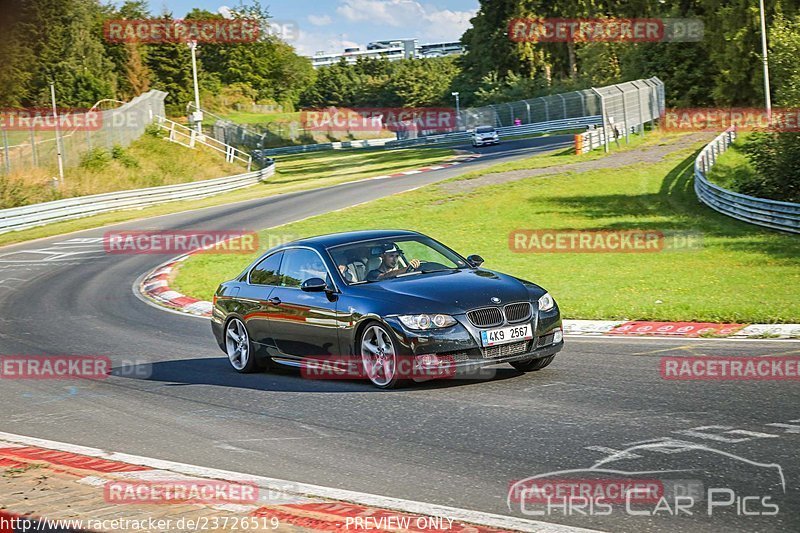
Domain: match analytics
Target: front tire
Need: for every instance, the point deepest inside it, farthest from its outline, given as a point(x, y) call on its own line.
point(379, 356)
point(533, 365)
point(240, 351)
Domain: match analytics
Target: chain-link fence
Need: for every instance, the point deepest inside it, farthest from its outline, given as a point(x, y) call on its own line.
point(33, 143)
point(625, 107)
point(628, 104)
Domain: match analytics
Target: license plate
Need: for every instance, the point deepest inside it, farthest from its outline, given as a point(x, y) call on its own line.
point(505, 335)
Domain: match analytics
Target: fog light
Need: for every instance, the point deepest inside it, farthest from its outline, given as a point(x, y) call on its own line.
point(558, 336)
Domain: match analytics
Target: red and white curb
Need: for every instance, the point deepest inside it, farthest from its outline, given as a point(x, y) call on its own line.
point(640, 328)
point(440, 166)
point(311, 506)
point(155, 287)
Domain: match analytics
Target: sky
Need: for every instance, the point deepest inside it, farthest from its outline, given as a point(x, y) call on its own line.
point(332, 25)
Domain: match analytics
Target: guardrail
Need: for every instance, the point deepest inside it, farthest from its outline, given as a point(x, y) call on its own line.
point(444, 138)
point(178, 133)
point(782, 216)
point(29, 216)
point(589, 140)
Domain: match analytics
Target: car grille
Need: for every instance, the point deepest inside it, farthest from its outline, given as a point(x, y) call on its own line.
point(518, 312)
point(486, 317)
point(505, 350)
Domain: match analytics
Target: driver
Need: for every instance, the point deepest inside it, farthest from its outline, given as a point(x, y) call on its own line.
point(389, 267)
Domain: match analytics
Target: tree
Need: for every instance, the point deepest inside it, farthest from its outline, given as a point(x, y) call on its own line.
point(61, 43)
point(784, 48)
point(422, 82)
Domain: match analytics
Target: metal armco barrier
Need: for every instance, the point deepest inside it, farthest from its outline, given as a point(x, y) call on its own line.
point(782, 216)
point(29, 216)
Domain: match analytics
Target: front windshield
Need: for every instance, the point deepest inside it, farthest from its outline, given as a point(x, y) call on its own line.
point(380, 259)
point(485, 129)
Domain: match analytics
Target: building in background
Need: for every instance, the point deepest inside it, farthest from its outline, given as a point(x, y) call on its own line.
point(393, 50)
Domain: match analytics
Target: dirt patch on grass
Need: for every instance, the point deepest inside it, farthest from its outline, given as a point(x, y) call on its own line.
point(648, 154)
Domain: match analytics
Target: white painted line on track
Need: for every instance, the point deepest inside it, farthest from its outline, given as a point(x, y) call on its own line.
point(361, 498)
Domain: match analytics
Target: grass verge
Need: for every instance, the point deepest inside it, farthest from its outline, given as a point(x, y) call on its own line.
point(732, 166)
point(741, 273)
point(293, 173)
point(149, 161)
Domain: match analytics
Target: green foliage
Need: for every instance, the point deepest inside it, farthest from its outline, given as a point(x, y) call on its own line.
point(776, 159)
point(377, 82)
point(95, 159)
point(784, 46)
point(119, 153)
point(153, 130)
point(61, 41)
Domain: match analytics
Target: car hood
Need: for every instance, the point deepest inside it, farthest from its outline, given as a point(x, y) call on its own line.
point(450, 292)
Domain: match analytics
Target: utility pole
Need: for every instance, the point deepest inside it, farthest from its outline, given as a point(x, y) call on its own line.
point(59, 153)
point(197, 116)
point(767, 101)
point(458, 111)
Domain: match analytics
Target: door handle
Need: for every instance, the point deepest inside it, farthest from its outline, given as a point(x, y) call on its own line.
point(275, 300)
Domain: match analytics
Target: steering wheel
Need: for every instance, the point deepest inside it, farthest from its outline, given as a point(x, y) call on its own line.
point(410, 268)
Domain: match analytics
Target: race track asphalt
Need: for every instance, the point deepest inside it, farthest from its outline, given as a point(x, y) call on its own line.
point(456, 443)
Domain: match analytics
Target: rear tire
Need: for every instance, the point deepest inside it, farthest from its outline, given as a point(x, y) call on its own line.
point(533, 365)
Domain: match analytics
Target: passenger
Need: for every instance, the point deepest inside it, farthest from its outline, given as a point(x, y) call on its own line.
point(346, 274)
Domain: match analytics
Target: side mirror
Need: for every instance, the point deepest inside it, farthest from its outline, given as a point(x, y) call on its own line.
point(314, 285)
point(475, 260)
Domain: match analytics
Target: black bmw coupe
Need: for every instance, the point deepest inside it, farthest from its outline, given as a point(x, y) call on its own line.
point(386, 305)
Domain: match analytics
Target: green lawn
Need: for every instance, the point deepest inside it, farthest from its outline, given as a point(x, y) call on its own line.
point(294, 173)
point(740, 274)
point(732, 166)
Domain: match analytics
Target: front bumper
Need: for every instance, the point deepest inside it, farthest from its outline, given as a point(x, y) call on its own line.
point(482, 142)
point(460, 343)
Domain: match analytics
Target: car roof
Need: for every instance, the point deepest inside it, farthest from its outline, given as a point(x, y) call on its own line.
point(336, 239)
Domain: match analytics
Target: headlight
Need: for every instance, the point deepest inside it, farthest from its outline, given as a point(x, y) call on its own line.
point(546, 302)
point(427, 321)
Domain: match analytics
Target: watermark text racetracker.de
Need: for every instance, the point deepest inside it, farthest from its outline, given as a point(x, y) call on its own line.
point(719, 119)
point(420, 367)
point(180, 241)
point(65, 367)
point(54, 367)
point(715, 368)
point(209, 492)
point(632, 30)
point(602, 241)
point(37, 119)
point(159, 31)
point(374, 119)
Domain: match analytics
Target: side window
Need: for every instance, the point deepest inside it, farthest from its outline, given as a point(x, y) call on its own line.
point(299, 265)
point(266, 272)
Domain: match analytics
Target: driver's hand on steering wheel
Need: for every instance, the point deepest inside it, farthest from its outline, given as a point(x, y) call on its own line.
point(413, 264)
